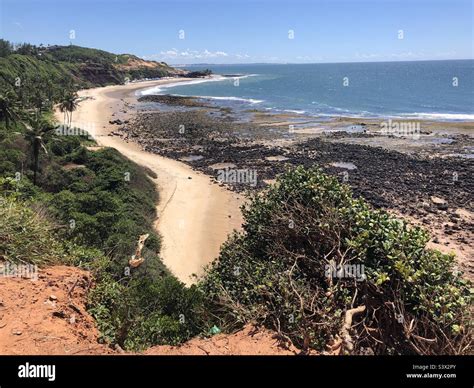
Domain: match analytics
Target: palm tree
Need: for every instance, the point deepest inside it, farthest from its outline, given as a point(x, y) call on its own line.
point(63, 108)
point(9, 108)
point(36, 130)
point(69, 103)
point(73, 103)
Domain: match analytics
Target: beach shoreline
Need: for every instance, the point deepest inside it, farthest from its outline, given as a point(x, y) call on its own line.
point(194, 216)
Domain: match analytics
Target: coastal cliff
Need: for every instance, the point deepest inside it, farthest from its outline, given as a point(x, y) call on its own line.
point(74, 65)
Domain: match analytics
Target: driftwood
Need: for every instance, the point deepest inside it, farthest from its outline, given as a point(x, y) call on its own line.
point(345, 331)
point(344, 339)
point(137, 258)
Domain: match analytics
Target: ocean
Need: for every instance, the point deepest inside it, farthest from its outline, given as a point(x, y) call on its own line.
point(436, 90)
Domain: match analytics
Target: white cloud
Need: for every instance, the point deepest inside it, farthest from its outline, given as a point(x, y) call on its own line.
point(404, 55)
point(368, 56)
point(189, 54)
point(309, 58)
point(170, 53)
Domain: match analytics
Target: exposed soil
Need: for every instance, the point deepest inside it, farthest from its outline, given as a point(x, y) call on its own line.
point(48, 316)
point(248, 341)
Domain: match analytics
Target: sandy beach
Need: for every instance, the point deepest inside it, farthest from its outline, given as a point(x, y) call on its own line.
point(195, 216)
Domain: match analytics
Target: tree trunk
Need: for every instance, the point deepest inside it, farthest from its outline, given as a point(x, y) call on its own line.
point(36, 146)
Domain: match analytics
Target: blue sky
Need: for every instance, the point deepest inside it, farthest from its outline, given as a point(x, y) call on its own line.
point(250, 31)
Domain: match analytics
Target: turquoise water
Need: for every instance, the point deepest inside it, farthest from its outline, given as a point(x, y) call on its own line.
point(396, 89)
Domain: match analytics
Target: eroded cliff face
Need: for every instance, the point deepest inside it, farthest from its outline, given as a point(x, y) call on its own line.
point(48, 316)
point(80, 66)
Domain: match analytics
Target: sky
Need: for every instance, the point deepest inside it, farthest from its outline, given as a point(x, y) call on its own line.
point(249, 31)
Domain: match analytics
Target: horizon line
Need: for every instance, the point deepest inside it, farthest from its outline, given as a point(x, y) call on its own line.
point(309, 63)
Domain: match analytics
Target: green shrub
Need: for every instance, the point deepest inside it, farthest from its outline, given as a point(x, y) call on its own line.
point(276, 273)
point(12, 152)
point(25, 235)
point(65, 145)
point(139, 311)
point(28, 236)
point(107, 210)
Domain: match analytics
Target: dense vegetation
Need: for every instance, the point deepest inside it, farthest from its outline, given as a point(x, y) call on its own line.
point(199, 73)
point(88, 208)
point(312, 257)
point(28, 235)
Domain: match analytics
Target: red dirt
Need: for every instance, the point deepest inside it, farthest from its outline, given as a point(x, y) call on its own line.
point(47, 316)
point(39, 317)
point(249, 341)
